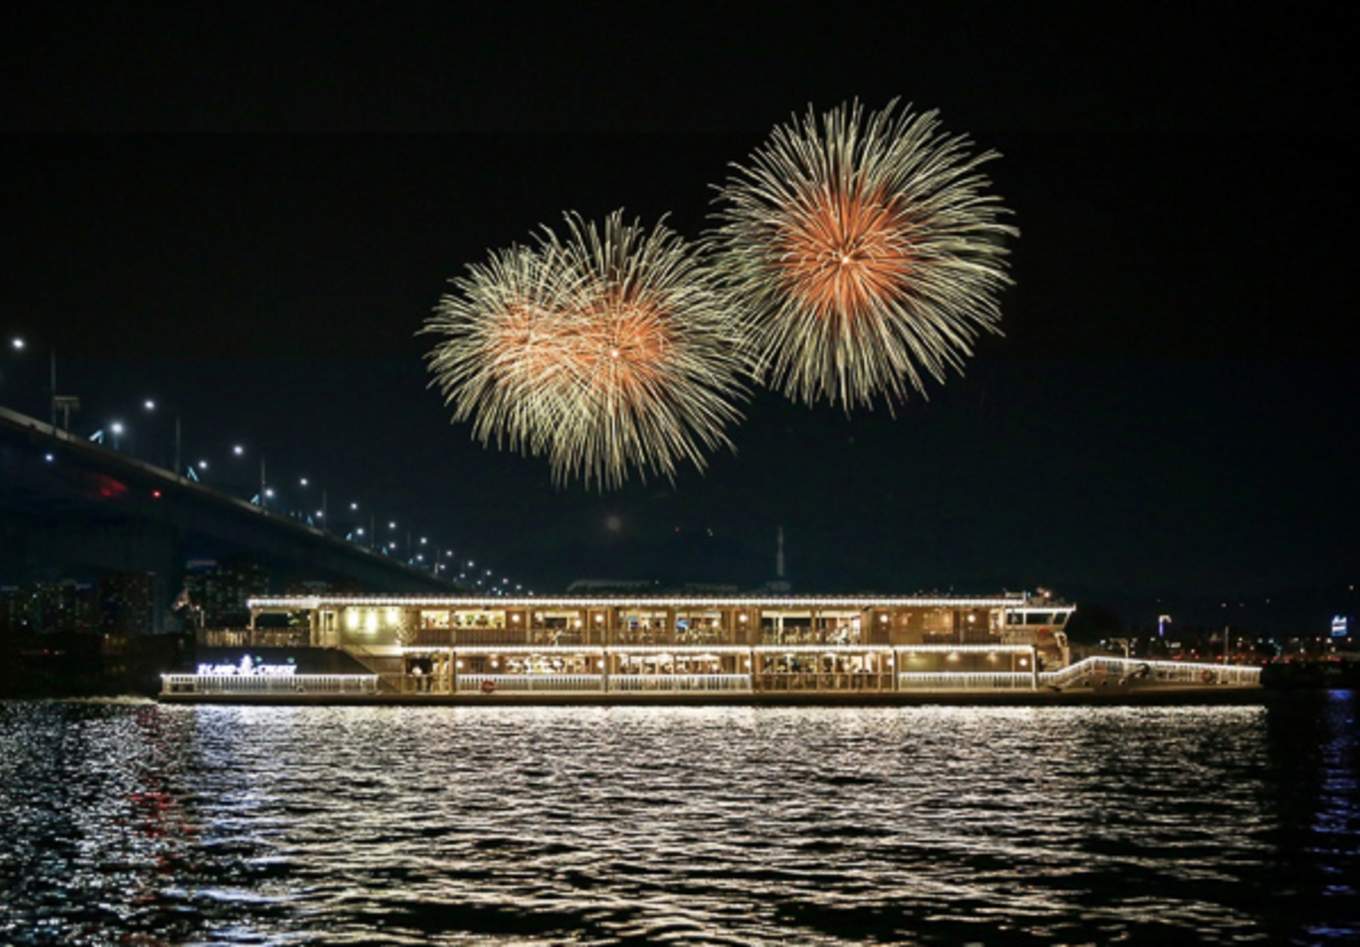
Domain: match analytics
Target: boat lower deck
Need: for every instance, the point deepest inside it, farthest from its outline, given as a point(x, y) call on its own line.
point(1166, 694)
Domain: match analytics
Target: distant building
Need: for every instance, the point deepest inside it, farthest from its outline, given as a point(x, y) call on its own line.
point(708, 588)
point(611, 586)
point(220, 589)
point(9, 610)
point(126, 602)
point(62, 606)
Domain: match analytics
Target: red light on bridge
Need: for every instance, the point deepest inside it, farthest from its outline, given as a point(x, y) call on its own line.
point(155, 494)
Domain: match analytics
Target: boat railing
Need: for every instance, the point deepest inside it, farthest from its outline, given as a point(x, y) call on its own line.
point(534, 683)
point(965, 680)
point(431, 638)
point(253, 637)
point(269, 683)
point(676, 683)
point(835, 681)
point(1102, 667)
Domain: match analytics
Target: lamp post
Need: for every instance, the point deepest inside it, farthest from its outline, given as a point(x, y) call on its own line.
point(19, 344)
point(151, 406)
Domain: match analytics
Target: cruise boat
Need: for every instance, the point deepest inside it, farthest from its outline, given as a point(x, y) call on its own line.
point(636, 648)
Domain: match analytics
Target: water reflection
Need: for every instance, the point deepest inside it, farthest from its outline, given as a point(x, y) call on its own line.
point(134, 821)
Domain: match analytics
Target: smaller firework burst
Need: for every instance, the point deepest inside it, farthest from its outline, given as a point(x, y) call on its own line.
point(609, 350)
point(501, 365)
point(866, 253)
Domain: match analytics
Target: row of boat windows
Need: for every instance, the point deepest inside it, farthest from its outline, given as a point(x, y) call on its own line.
point(374, 619)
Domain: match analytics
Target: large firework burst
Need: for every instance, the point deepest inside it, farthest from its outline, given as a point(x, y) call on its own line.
point(608, 349)
point(865, 253)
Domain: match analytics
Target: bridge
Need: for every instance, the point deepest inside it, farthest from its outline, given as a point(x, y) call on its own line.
point(69, 506)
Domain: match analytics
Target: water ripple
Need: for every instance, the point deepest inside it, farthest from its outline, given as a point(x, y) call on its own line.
point(141, 823)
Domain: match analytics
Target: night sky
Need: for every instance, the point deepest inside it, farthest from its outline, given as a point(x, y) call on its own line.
point(250, 220)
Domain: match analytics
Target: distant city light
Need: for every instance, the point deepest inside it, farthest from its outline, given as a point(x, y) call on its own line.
point(391, 545)
point(359, 531)
point(392, 524)
point(238, 450)
point(302, 481)
point(320, 514)
point(422, 540)
point(269, 492)
point(149, 404)
point(49, 457)
point(354, 506)
point(471, 564)
point(116, 427)
point(17, 344)
point(202, 465)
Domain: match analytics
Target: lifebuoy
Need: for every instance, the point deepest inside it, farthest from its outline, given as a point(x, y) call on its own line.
point(488, 686)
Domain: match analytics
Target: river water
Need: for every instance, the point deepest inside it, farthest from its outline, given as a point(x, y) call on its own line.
point(132, 822)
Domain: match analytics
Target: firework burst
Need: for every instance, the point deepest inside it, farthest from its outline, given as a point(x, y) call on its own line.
point(864, 252)
point(608, 349)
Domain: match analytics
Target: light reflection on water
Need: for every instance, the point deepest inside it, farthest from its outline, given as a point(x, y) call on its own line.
point(129, 820)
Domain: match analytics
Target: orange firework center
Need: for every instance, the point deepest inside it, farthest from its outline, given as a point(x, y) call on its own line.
point(631, 338)
point(530, 345)
point(613, 345)
point(844, 252)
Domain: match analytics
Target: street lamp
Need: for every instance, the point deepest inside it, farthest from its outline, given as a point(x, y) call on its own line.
point(151, 406)
point(19, 344)
point(116, 429)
